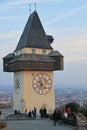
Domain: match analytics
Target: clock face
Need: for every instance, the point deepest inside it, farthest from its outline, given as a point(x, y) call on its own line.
point(17, 82)
point(42, 83)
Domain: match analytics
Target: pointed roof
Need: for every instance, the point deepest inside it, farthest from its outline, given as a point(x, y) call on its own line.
point(34, 35)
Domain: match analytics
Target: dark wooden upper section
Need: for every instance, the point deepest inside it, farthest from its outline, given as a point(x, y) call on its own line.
point(27, 62)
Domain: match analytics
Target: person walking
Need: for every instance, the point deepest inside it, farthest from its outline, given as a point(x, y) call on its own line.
point(55, 115)
point(35, 112)
point(0, 113)
point(59, 117)
point(29, 114)
point(42, 113)
point(45, 112)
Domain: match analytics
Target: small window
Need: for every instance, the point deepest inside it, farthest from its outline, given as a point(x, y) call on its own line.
point(44, 52)
point(16, 53)
point(33, 51)
point(21, 51)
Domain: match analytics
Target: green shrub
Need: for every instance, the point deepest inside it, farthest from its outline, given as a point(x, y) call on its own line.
point(73, 106)
point(69, 121)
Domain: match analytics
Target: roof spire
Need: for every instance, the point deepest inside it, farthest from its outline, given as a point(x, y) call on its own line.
point(30, 8)
point(35, 6)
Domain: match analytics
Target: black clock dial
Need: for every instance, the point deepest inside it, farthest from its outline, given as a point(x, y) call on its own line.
point(17, 82)
point(42, 83)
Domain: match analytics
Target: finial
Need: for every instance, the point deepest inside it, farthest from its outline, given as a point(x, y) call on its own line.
point(35, 6)
point(30, 8)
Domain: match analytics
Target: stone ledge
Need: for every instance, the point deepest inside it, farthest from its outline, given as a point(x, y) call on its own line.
point(81, 122)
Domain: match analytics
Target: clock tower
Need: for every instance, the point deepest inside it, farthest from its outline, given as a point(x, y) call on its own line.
point(33, 62)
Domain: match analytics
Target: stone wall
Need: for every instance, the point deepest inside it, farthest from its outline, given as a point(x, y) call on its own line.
point(81, 122)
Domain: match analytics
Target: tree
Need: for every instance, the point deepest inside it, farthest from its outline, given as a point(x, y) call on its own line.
point(73, 106)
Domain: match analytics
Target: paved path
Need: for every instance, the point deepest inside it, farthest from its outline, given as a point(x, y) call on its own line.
point(35, 125)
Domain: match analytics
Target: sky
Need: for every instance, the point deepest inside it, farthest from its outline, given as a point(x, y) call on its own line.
point(65, 20)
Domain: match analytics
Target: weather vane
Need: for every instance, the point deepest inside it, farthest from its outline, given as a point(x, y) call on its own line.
point(35, 6)
point(30, 8)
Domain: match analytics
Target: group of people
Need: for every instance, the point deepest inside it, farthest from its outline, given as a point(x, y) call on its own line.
point(58, 115)
point(43, 112)
point(31, 114)
point(28, 113)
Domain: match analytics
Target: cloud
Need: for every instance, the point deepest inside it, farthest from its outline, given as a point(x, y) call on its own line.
point(8, 42)
point(12, 17)
point(11, 5)
point(9, 35)
point(33, 1)
point(75, 58)
point(7, 48)
point(70, 13)
point(72, 45)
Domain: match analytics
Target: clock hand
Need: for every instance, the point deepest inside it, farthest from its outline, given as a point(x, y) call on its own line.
point(41, 84)
point(44, 85)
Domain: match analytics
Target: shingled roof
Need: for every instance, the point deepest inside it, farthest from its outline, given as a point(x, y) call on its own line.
point(34, 35)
